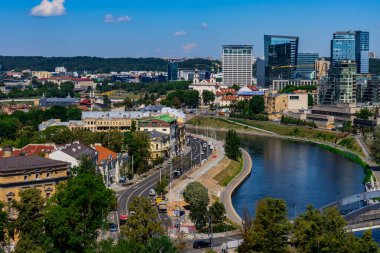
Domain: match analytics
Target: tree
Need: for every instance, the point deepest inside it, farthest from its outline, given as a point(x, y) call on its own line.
point(310, 100)
point(55, 134)
point(364, 113)
point(106, 101)
point(3, 223)
point(191, 98)
point(128, 103)
point(113, 140)
point(161, 186)
point(208, 96)
point(324, 232)
point(138, 145)
point(144, 224)
point(30, 220)
point(270, 228)
point(8, 127)
point(232, 145)
point(235, 87)
point(218, 212)
point(256, 104)
point(77, 210)
point(347, 126)
point(161, 244)
point(375, 147)
point(196, 195)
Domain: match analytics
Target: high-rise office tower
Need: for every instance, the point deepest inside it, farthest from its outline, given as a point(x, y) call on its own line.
point(343, 47)
point(306, 65)
point(362, 51)
point(237, 64)
point(288, 59)
point(172, 71)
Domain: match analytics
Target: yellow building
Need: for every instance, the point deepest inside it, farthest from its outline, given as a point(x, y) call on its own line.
point(22, 172)
point(159, 144)
point(41, 74)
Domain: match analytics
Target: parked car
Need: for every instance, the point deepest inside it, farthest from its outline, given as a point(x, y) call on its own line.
point(201, 244)
point(113, 227)
point(152, 192)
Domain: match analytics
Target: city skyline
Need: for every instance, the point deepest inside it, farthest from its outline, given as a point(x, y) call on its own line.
point(184, 29)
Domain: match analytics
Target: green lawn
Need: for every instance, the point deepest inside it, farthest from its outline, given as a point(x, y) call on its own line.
point(228, 174)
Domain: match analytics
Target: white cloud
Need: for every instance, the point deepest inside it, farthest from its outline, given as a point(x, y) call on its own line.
point(109, 18)
point(179, 34)
point(189, 47)
point(49, 8)
point(204, 25)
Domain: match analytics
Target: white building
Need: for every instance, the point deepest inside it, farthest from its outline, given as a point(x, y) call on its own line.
point(237, 64)
point(202, 85)
point(279, 84)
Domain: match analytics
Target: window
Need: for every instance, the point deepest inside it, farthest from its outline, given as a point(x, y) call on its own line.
point(48, 174)
point(25, 177)
point(37, 176)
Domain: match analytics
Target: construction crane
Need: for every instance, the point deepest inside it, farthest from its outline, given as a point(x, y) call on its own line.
point(293, 66)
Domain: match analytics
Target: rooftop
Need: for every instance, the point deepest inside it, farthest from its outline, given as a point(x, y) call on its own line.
point(77, 150)
point(32, 162)
point(156, 134)
point(104, 154)
point(166, 117)
point(112, 115)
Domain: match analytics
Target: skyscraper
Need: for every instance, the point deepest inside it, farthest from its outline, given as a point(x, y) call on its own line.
point(342, 80)
point(289, 59)
point(237, 64)
point(279, 56)
point(362, 51)
point(306, 65)
point(172, 71)
point(343, 47)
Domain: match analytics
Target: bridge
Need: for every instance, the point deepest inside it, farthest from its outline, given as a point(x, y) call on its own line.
point(360, 211)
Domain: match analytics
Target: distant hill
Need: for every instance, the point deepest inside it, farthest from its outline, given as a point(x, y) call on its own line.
point(374, 66)
point(96, 64)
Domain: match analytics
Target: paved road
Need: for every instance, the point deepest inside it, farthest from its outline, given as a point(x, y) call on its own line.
point(142, 188)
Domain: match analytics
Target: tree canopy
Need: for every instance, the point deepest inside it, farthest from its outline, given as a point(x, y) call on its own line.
point(196, 195)
point(232, 145)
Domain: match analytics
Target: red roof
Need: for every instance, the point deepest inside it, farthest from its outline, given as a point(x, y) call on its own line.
point(66, 78)
point(228, 98)
point(252, 88)
point(224, 91)
point(104, 153)
point(32, 149)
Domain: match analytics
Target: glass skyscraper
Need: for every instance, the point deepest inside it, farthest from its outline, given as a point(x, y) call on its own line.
point(343, 47)
point(290, 57)
point(172, 71)
point(362, 51)
point(306, 65)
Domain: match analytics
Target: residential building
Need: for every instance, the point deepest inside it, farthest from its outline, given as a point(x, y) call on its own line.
point(237, 64)
point(342, 80)
point(109, 163)
point(371, 93)
point(41, 74)
point(277, 103)
point(222, 92)
point(202, 85)
point(60, 69)
point(285, 55)
point(226, 101)
point(172, 71)
point(79, 83)
point(159, 144)
point(22, 172)
point(343, 47)
point(362, 51)
point(306, 65)
point(322, 67)
point(72, 153)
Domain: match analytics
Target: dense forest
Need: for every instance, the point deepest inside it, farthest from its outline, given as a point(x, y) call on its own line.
point(97, 64)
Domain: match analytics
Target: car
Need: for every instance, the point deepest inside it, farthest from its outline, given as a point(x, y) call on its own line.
point(152, 192)
point(201, 244)
point(113, 227)
point(202, 152)
point(131, 213)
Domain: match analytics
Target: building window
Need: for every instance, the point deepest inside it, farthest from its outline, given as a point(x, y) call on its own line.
point(25, 177)
point(48, 174)
point(37, 176)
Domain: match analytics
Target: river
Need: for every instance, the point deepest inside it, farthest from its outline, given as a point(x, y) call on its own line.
point(299, 173)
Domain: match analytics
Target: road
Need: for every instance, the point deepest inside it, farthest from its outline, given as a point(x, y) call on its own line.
point(142, 188)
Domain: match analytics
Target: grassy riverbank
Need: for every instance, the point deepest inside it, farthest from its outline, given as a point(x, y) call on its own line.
point(307, 133)
point(229, 173)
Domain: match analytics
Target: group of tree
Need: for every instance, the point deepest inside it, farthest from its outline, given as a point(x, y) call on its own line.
point(364, 113)
point(97, 64)
point(299, 122)
point(375, 147)
point(232, 145)
point(208, 97)
point(196, 195)
point(69, 221)
point(250, 109)
point(138, 146)
point(313, 231)
point(180, 98)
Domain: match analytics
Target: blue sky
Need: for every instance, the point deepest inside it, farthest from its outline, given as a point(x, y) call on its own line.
point(176, 28)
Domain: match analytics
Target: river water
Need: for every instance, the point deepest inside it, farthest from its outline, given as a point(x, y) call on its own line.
point(299, 173)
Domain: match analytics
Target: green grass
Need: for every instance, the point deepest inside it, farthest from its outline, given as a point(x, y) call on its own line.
point(228, 174)
point(213, 122)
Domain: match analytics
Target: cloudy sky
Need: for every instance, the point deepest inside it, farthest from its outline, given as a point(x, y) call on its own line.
point(175, 28)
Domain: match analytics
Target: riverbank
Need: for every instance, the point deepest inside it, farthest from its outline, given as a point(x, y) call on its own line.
point(226, 193)
point(241, 128)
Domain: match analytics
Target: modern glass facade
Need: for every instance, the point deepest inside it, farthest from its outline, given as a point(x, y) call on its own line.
point(172, 71)
point(237, 64)
point(343, 47)
point(362, 51)
point(343, 81)
point(270, 40)
point(279, 55)
point(306, 65)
